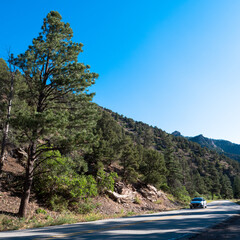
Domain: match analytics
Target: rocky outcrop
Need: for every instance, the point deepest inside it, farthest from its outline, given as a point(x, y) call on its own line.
point(127, 193)
point(150, 193)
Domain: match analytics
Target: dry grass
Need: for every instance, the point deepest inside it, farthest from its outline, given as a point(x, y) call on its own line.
point(9, 222)
point(38, 216)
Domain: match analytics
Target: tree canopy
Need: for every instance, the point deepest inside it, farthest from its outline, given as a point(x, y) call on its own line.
point(56, 111)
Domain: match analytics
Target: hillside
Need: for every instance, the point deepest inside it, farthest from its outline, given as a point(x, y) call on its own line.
point(205, 142)
point(131, 200)
point(190, 167)
point(225, 147)
point(132, 167)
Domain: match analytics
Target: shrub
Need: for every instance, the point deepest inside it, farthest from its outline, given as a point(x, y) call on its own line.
point(85, 207)
point(40, 210)
point(164, 187)
point(158, 201)
point(137, 200)
point(58, 203)
point(60, 184)
point(182, 194)
point(105, 180)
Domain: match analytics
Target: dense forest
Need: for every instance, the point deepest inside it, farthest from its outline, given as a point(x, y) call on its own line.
point(187, 169)
point(75, 149)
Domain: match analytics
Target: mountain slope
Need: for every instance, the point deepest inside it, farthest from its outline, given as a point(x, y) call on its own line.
point(189, 167)
point(205, 142)
point(225, 147)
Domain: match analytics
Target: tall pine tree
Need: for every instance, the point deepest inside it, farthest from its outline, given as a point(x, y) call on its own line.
point(56, 112)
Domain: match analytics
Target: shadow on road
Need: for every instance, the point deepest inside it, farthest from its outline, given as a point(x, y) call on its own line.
point(154, 226)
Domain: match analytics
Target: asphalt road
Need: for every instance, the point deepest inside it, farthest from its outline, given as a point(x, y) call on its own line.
point(164, 225)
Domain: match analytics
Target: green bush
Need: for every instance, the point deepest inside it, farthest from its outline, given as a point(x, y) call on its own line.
point(62, 185)
point(164, 187)
point(137, 200)
point(182, 194)
point(40, 210)
point(58, 203)
point(85, 207)
point(105, 180)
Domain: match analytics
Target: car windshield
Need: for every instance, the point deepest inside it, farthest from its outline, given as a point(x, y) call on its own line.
point(197, 199)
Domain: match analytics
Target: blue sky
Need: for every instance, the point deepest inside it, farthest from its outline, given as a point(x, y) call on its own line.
point(174, 64)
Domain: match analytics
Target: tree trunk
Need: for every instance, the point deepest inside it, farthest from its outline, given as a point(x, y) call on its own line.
point(30, 165)
point(28, 181)
point(6, 128)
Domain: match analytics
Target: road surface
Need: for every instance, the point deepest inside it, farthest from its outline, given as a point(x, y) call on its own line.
point(164, 225)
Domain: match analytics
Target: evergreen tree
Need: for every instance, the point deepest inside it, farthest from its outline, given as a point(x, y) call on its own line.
point(4, 90)
point(56, 112)
point(226, 188)
point(147, 138)
point(153, 168)
point(4, 93)
point(129, 160)
point(214, 180)
point(198, 183)
point(174, 175)
point(236, 187)
point(6, 97)
point(110, 135)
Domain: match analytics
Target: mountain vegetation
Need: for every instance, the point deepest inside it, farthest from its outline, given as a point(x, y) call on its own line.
point(227, 148)
point(187, 168)
point(75, 149)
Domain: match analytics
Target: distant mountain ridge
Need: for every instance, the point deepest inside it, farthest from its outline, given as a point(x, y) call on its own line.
point(231, 150)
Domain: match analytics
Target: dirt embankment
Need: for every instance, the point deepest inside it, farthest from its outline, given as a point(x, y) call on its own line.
point(125, 199)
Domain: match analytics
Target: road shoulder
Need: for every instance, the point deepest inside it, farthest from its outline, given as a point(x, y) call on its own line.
point(228, 229)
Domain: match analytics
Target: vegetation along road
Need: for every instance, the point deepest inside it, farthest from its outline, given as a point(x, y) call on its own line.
point(164, 225)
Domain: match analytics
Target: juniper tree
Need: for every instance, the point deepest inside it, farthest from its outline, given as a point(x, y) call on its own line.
point(56, 112)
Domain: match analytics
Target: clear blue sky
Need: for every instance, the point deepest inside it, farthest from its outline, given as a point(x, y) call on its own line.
point(174, 64)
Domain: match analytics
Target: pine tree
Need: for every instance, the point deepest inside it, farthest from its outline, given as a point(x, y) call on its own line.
point(4, 86)
point(214, 180)
point(7, 76)
point(236, 187)
point(129, 160)
point(56, 112)
point(174, 175)
point(226, 188)
point(153, 168)
point(147, 138)
point(198, 183)
point(110, 136)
